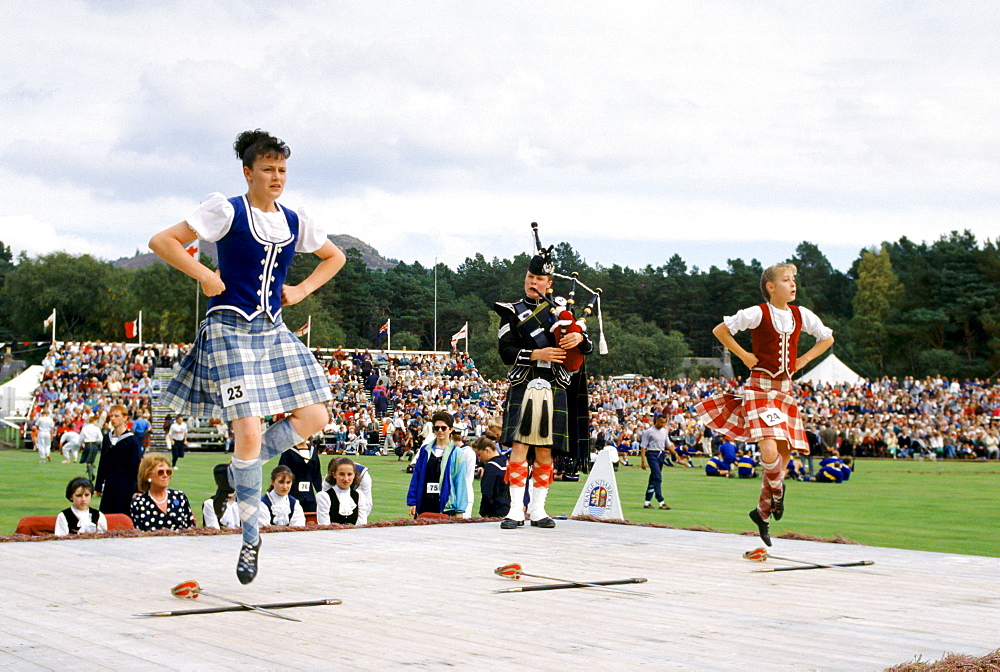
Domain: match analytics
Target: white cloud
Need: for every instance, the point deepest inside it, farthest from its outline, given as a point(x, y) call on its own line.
point(457, 225)
point(35, 237)
point(841, 123)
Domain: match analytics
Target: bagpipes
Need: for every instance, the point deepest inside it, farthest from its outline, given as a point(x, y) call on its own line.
point(562, 309)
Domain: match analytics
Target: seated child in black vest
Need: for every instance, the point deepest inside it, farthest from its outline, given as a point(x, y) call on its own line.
point(277, 507)
point(230, 512)
point(230, 516)
point(80, 518)
point(339, 504)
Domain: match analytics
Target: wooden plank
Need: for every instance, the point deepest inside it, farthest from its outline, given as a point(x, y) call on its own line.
point(422, 596)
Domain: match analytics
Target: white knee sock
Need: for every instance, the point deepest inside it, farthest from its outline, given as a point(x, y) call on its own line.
point(516, 503)
point(536, 506)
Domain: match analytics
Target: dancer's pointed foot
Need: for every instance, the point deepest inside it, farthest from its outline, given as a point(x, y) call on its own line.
point(763, 528)
point(246, 566)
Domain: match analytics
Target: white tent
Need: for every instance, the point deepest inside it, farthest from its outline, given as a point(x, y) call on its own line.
point(16, 394)
point(831, 371)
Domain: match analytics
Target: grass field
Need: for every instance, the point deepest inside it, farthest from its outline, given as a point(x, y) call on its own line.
point(950, 507)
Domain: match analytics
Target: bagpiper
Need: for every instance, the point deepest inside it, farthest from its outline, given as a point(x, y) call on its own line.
point(546, 404)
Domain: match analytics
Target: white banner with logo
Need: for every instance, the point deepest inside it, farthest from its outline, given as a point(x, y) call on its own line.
point(600, 497)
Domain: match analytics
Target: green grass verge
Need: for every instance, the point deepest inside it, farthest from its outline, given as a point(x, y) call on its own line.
point(949, 507)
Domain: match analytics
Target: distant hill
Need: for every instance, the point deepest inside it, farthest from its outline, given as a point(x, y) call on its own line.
point(369, 254)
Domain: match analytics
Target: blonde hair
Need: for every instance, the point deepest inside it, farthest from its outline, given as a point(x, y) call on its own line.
point(149, 462)
point(770, 274)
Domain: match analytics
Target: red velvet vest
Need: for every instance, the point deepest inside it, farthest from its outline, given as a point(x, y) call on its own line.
point(776, 352)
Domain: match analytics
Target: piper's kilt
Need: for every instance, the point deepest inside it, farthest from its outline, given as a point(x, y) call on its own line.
point(512, 417)
point(261, 366)
point(739, 416)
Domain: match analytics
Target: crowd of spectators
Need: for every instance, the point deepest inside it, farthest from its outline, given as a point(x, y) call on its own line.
point(385, 400)
point(379, 394)
point(394, 394)
point(81, 380)
point(931, 417)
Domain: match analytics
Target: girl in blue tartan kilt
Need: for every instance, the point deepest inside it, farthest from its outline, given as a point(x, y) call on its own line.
point(245, 364)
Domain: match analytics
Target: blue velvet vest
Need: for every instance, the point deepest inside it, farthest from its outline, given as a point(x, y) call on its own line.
point(253, 268)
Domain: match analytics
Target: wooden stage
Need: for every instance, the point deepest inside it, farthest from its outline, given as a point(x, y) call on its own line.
point(422, 597)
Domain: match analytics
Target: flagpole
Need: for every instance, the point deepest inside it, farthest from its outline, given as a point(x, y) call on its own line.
point(388, 333)
point(466, 338)
point(140, 328)
point(197, 306)
point(53, 325)
point(309, 331)
point(435, 304)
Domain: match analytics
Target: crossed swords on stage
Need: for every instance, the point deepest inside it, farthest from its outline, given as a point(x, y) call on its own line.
point(761, 554)
point(514, 571)
point(189, 590)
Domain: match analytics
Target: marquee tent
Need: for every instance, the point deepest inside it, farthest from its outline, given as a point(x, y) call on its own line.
point(831, 371)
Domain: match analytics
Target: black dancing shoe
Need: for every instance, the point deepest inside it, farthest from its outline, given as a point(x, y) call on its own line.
point(246, 567)
point(762, 527)
point(545, 522)
point(222, 490)
point(778, 505)
point(510, 524)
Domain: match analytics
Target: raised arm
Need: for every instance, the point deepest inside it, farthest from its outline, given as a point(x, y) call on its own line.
point(818, 349)
point(332, 261)
point(721, 332)
point(169, 244)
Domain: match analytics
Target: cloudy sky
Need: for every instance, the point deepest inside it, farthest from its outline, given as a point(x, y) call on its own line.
point(632, 130)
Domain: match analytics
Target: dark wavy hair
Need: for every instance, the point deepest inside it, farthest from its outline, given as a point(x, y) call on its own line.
point(252, 144)
point(78, 482)
point(336, 463)
point(280, 470)
point(444, 417)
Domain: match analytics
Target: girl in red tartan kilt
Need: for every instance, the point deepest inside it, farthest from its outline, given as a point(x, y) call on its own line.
point(764, 412)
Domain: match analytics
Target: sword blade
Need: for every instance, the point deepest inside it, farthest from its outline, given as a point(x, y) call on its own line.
point(255, 607)
point(592, 584)
point(576, 584)
point(216, 610)
point(838, 565)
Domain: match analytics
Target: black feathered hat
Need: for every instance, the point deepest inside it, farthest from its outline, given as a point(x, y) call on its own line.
point(541, 263)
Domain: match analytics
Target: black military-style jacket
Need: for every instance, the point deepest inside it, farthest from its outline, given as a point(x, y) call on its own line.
point(525, 326)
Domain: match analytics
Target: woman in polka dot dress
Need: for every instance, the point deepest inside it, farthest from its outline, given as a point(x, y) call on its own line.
point(157, 507)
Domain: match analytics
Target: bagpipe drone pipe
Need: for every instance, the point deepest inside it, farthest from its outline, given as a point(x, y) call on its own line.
point(562, 309)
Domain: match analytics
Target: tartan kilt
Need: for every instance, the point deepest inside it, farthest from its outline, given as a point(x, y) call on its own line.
point(512, 417)
point(739, 416)
point(262, 366)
